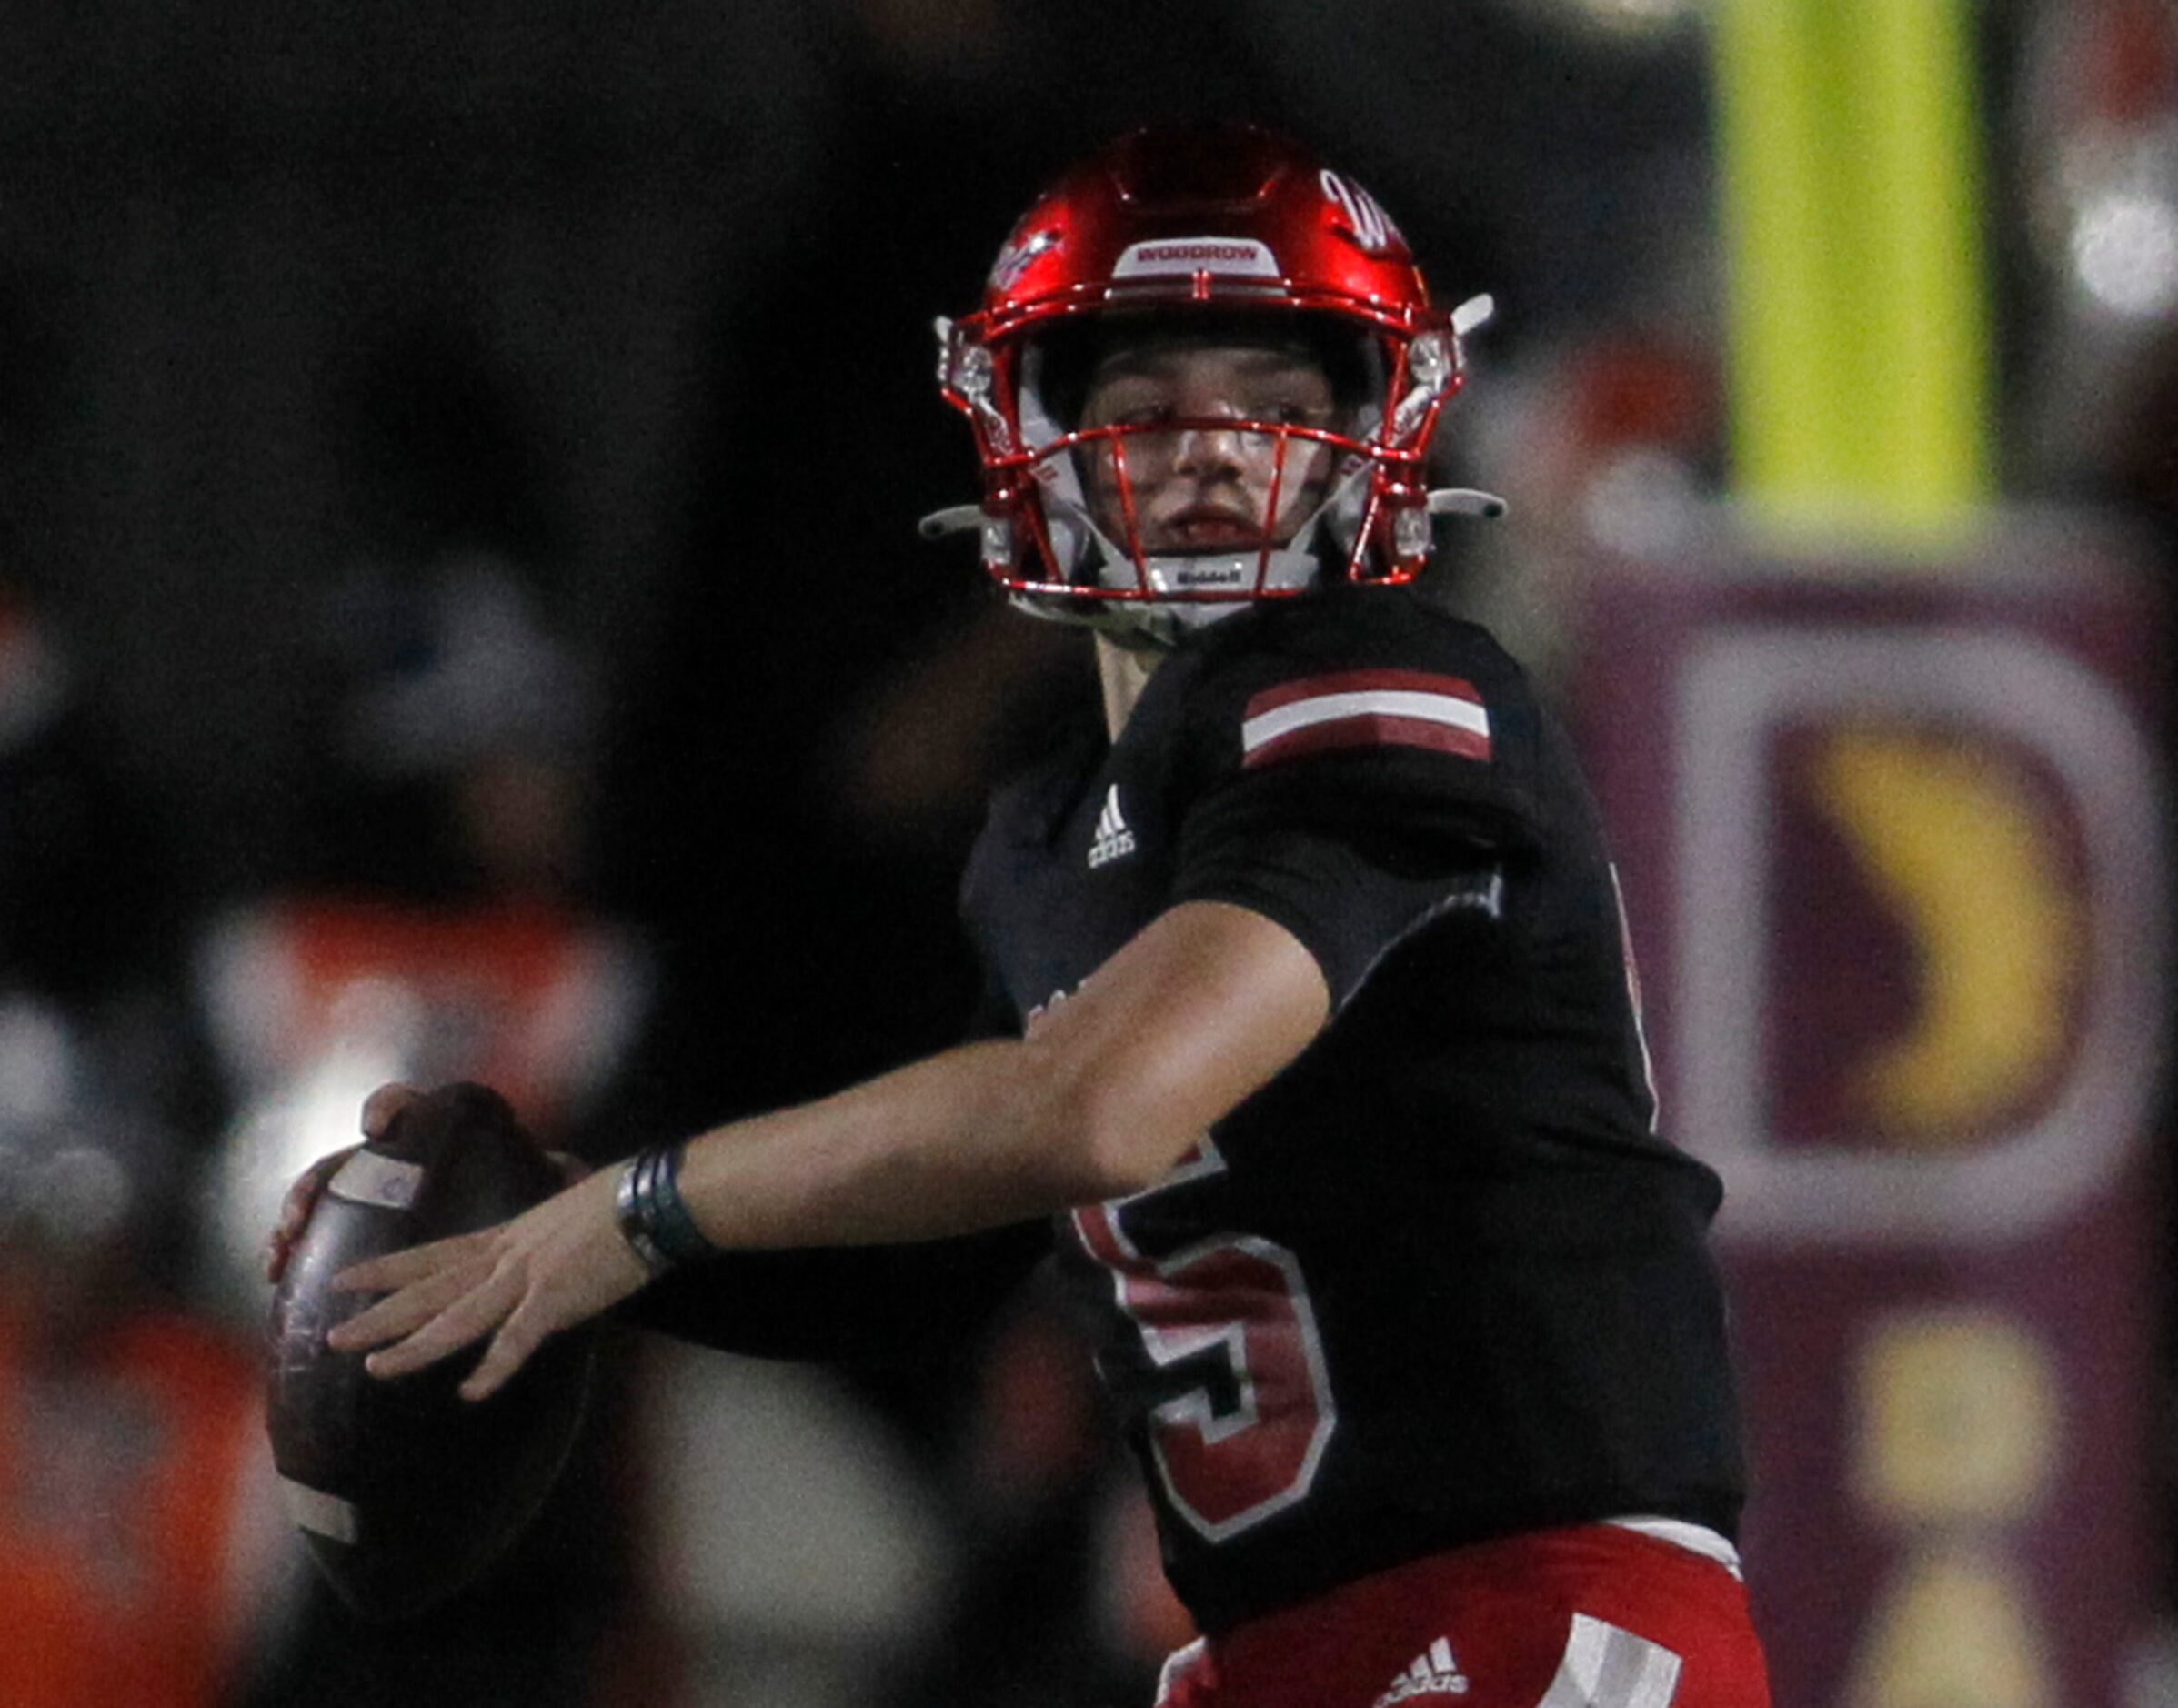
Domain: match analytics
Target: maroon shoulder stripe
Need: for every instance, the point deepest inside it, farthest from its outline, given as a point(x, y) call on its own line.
point(1355, 708)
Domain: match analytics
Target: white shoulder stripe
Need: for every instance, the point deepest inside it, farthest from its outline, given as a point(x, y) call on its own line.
point(1318, 709)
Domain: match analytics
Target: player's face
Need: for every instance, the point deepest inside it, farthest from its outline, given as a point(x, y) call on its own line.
point(1195, 485)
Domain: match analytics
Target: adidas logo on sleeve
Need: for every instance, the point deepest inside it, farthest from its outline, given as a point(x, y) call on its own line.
point(1114, 840)
point(1432, 1672)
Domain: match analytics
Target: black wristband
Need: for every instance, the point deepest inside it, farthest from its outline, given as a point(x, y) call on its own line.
point(653, 1217)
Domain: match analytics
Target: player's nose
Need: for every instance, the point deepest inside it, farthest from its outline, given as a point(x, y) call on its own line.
point(1209, 452)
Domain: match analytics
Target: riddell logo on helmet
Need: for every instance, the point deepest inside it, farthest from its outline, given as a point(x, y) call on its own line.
point(1242, 258)
point(1223, 576)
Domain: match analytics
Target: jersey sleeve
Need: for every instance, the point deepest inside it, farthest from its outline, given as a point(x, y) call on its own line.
point(1358, 791)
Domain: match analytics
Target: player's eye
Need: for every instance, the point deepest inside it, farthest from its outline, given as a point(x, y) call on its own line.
point(1133, 412)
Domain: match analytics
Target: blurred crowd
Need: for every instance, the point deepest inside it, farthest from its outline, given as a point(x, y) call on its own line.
point(527, 671)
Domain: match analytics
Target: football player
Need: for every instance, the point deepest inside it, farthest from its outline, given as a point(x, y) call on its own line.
point(1311, 1053)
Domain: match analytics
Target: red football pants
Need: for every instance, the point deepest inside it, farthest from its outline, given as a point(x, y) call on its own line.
point(1589, 1617)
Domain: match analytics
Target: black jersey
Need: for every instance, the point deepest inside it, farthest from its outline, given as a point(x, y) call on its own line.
point(1439, 1279)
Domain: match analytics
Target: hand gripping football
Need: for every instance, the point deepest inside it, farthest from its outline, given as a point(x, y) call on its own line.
point(403, 1490)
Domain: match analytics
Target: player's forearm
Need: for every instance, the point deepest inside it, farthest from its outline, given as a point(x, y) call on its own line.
point(1107, 1090)
point(978, 1136)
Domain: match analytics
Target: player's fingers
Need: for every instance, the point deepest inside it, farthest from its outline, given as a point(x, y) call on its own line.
point(470, 1318)
point(309, 1185)
point(404, 1269)
point(511, 1348)
point(405, 1311)
point(384, 1105)
point(301, 1199)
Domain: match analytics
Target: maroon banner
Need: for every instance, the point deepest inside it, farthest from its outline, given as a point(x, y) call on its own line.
point(1891, 846)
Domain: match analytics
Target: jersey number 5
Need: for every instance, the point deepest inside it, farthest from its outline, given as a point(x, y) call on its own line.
point(1231, 1337)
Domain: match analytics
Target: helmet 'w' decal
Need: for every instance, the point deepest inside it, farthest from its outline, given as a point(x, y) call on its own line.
point(1365, 215)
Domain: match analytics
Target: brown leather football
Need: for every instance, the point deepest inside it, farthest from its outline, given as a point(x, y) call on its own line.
point(404, 1491)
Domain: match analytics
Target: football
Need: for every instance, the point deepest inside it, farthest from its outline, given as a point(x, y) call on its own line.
point(405, 1491)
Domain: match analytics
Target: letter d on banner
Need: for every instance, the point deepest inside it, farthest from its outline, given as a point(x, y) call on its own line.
point(2023, 964)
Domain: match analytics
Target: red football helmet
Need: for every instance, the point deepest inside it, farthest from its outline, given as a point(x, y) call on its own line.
point(1228, 233)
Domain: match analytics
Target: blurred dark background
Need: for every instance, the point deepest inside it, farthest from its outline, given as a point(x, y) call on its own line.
point(458, 471)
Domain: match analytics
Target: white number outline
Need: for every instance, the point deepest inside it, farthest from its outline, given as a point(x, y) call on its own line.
point(1633, 996)
point(1166, 1347)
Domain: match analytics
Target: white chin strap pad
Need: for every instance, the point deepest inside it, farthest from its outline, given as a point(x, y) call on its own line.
point(1236, 573)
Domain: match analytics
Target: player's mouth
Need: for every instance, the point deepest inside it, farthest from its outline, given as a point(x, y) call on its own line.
point(1210, 527)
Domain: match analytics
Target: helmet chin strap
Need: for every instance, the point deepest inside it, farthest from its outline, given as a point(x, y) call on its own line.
point(1136, 626)
point(1162, 621)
